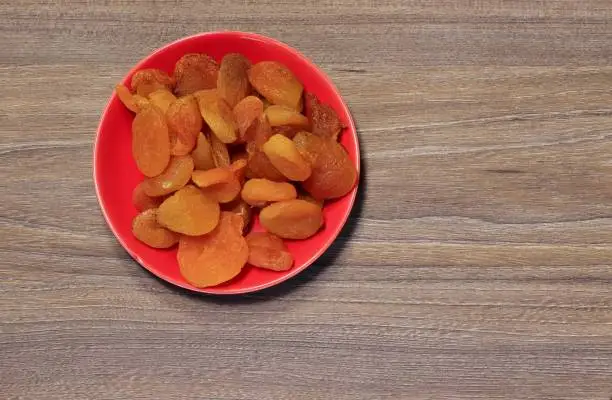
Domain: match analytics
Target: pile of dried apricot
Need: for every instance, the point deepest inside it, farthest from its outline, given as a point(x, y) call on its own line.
point(218, 142)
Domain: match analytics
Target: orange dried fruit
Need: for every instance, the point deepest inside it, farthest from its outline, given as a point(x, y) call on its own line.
point(162, 99)
point(246, 113)
point(216, 257)
point(233, 81)
point(323, 119)
point(238, 167)
point(126, 98)
point(286, 116)
point(146, 81)
point(195, 71)
point(333, 172)
point(218, 115)
point(174, 177)
point(221, 184)
point(189, 211)
point(259, 192)
point(146, 229)
point(210, 177)
point(142, 201)
point(202, 154)
point(292, 219)
point(277, 84)
point(240, 207)
point(219, 151)
point(268, 251)
point(284, 155)
point(141, 102)
point(184, 123)
point(150, 141)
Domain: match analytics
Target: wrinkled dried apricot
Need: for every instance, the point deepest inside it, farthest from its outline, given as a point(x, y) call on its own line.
point(220, 154)
point(202, 154)
point(142, 201)
point(146, 229)
point(218, 115)
point(126, 98)
point(233, 82)
point(162, 98)
point(216, 257)
point(323, 119)
point(240, 207)
point(146, 81)
point(195, 71)
point(174, 177)
point(189, 211)
point(333, 172)
point(277, 84)
point(259, 192)
point(245, 114)
point(184, 123)
point(286, 116)
point(150, 141)
point(292, 219)
point(268, 251)
point(284, 155)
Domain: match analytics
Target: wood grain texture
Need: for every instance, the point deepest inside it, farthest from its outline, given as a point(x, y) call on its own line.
point(477, 264)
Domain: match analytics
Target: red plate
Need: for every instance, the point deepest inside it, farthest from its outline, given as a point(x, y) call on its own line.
point(116, 175)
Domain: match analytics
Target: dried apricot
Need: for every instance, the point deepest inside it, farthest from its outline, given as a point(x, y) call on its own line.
point(162, 98)
point(210, 177)
point(184, 123)
point(146, 81)
point(286, 116)
point(233, 82)
point(195, 71)
point(146, 229)
point(126, 98)
point(150, 141)
point(284, 155)
point(174, 177)
point(202, 154)
point(323, 119)
point(246, 113)
point(292, 219)
point(268, 251)
point(218, 115)
point(240, 207)
point(259, 192)
point(216, 257)
point(221, 184)
point(189, 211)
point(333, 172)
point(142, 201)
point(277, 84)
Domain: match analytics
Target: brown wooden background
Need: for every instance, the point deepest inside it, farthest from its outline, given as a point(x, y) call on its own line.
point(477, 264)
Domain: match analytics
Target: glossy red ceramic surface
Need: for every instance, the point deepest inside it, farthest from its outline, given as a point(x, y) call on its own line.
point(116, 175)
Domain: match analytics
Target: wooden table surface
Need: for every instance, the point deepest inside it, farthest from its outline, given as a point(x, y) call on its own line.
point(477, 263)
